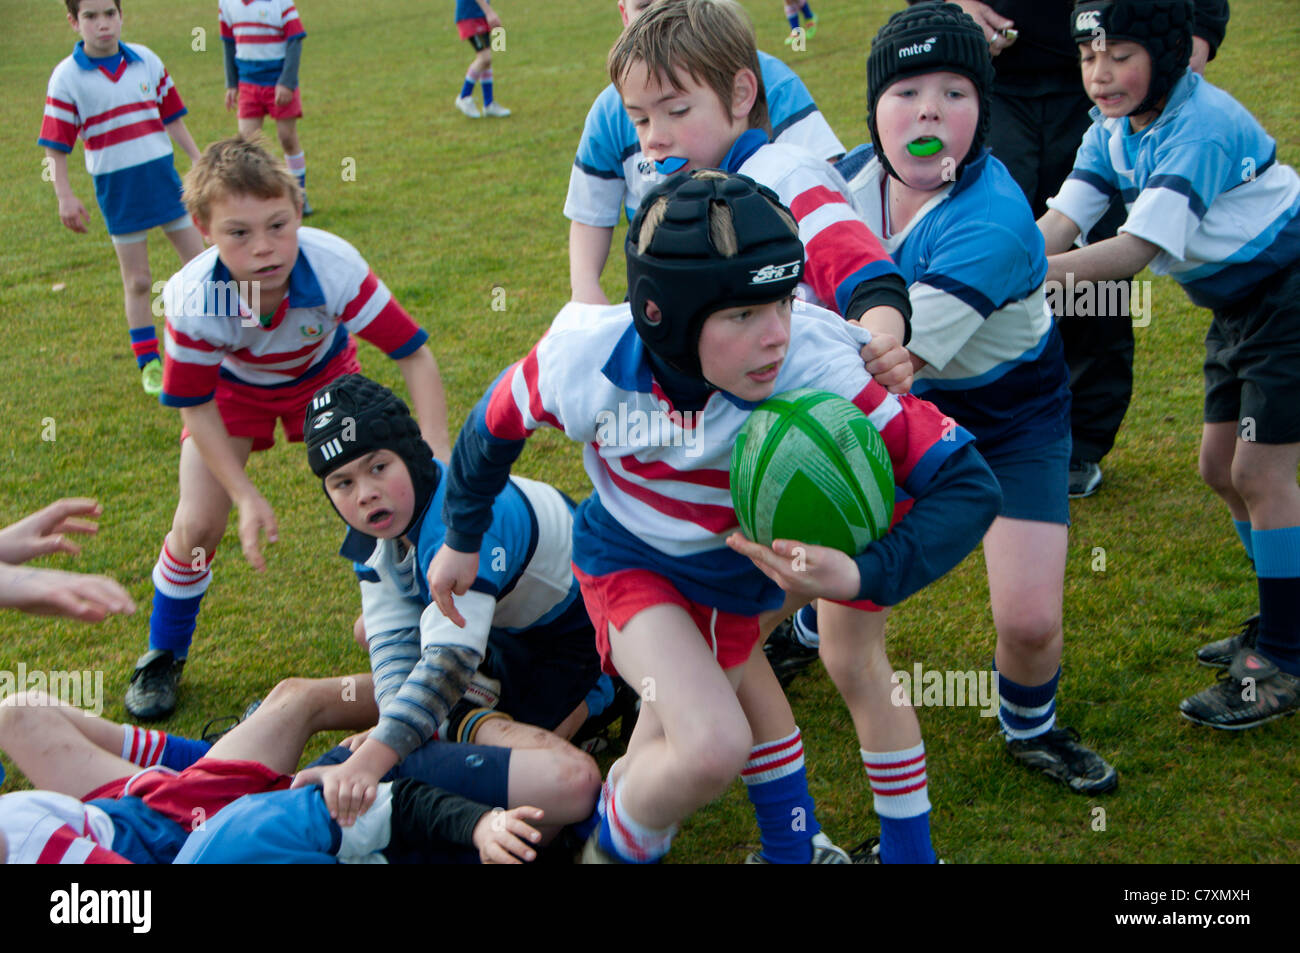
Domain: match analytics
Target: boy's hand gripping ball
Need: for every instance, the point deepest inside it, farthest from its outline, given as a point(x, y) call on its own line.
point(809, 466)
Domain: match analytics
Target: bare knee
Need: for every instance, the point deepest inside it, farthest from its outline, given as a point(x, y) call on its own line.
point(137, 283)
point(1030, 629)
point(196, 534)
point(1255, 485)
point(716, 758)
point(1216, 472)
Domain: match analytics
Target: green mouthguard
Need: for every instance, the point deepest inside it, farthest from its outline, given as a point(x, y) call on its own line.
point(925, 146)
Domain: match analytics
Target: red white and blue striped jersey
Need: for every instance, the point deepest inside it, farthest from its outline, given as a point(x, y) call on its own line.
point(211, 330)
point(44, 827)
point(260, 30)
point(840, 251)
point(121, 118)
point(662, 477)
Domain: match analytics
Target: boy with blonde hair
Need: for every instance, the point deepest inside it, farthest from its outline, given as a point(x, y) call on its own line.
point(121, 102)
point(255, 325)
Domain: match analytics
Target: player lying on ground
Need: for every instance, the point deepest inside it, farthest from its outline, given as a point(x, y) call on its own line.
point(138, 806)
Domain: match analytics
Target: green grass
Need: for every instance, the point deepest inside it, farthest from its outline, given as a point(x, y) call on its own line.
point(446, 210)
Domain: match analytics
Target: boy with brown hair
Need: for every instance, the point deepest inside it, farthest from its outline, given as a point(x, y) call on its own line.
point(255, 325)
point(123, 105)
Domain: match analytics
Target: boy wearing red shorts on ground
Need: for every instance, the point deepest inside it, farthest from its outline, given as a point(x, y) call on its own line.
point(255, 325)
point(262, 40)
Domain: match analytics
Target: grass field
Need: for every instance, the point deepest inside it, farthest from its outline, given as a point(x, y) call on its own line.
point(446, 211)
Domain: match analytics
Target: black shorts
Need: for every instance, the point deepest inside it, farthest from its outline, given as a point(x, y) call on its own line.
point(547, 670)
point(1252, 362)
point(480, 41)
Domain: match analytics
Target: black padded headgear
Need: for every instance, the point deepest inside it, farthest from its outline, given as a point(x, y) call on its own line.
point(930, 38)
point(688, 278)
point(1162, 27)
point(352, 416)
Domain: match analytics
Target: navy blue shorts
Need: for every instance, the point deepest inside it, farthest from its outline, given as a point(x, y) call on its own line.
point(478, 772)
point(1034, 481)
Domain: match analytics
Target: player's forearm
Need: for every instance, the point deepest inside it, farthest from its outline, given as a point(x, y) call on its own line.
point(374, 757)
point(947, 521)
point(477, 473)
point(204, 423)
point(424, 384)
point(885, 320)
point(436, 683)
point(180, 134)
point(1115, 258)
point(59, 170)
point(232, 68)
point(1059, 231)
point(588, 251)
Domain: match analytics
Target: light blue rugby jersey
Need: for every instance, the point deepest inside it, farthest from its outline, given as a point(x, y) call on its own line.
point(1202, 182)
point(974, 262)
point(610, 172)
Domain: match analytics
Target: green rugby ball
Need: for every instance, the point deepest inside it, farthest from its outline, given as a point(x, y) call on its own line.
point(810, 466)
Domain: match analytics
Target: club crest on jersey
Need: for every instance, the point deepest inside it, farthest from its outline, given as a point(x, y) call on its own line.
point(1087, 20)
point(311, 331)
point(645, 166)
point(770, 273)
point(144, 88)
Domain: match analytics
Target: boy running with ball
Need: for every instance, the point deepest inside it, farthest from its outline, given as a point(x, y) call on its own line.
point(712, 328)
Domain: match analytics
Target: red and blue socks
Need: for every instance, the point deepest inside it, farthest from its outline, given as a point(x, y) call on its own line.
point(1026, 711)
point(467, 88)
point(777, 783)
point(178, 591)
point(902, 802)
point(149, 747)
point(1277, 567)
point(144, 344)
point(485, 79)
point(624, 837)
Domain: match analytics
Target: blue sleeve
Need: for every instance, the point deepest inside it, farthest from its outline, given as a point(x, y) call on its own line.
point(478, 472)
point(945, 523)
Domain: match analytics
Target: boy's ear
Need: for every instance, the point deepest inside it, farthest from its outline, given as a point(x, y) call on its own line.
point(744, 93)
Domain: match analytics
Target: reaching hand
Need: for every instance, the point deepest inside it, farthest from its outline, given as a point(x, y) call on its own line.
point(42, 532)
